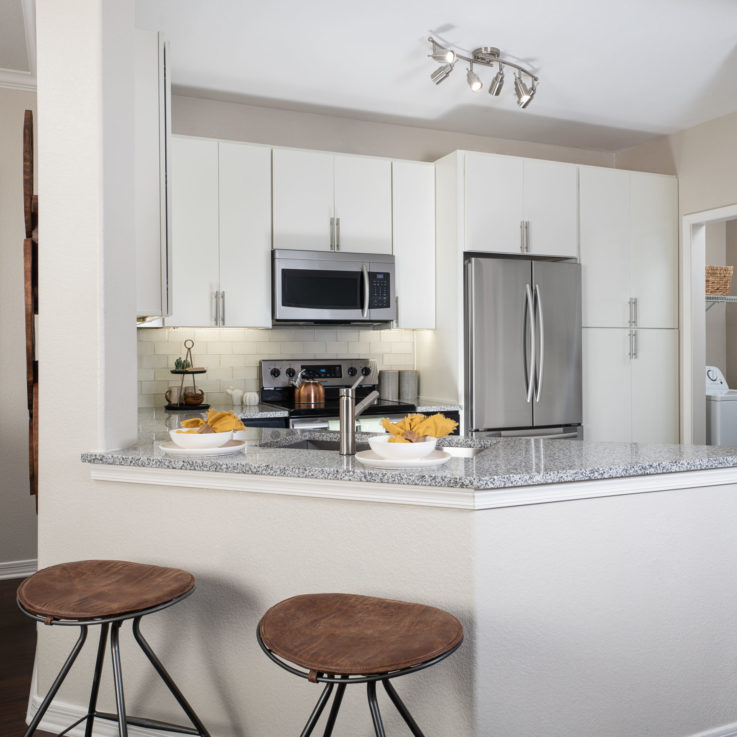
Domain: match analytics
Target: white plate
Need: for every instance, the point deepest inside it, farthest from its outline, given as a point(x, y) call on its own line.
point(369, 458)
point(232, 446)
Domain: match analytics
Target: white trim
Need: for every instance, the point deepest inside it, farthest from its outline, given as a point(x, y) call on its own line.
point(692, 291)
point(425, 496)
point(726, 730)
point(17, 80)
point(18, 568)
point(61, 714)
point(29, 23)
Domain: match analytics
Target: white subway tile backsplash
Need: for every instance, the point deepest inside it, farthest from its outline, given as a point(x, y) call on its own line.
point(231, 355)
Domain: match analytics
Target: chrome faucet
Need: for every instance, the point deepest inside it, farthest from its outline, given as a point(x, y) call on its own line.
point(349, 410)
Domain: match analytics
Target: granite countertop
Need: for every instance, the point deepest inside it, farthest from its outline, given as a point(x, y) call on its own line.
point(498, 463)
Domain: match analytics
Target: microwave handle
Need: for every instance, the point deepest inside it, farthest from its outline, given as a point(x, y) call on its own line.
point(364, 270)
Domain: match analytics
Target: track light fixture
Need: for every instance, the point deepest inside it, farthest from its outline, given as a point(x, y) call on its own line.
point(488, 56)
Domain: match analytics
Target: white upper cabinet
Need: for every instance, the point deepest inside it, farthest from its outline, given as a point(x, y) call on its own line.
point(245, 235)
point(515, 205)
point(363, 204)
point(221, 234)
point(413, 192)
point(195, 258)
point(629, 249)
point(303, 186)
point(324, 201)
point(152, 218)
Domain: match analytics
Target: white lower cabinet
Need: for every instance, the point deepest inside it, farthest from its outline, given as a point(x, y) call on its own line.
point(221, 234)
point(630, 385)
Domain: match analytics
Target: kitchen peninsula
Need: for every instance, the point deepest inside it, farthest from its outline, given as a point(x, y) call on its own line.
point(575, 567)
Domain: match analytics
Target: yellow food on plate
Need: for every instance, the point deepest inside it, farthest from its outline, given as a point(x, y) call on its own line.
point(413, 428)
point(218, 421)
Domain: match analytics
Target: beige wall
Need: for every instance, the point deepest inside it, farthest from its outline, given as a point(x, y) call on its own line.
point(194, 116)
point(17, 507)
point(703, 157)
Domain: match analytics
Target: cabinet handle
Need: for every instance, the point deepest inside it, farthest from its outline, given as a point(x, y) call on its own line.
point(337, 234)
point(217, 308)
point(522, 236)
point(222, 308)
point(332, 234)
point(634, 311)
point(634, 338)
point(527, 236)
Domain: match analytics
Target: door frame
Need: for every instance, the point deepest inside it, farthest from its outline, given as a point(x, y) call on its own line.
point(693, 340)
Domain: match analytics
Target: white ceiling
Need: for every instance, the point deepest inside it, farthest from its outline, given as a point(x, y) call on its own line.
point(612, 73)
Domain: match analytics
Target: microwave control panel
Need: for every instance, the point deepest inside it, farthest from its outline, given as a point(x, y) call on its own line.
point(379, 290)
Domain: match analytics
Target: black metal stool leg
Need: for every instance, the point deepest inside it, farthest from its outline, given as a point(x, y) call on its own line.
point(334, 710)
point(96, 680)
point(319, 706)
point(118, 679)
point(57, 682)
point(167, 679)
point(374, 706)
point(402, 709)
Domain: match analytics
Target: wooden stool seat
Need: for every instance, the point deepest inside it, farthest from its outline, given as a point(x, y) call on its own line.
point(93, 589)
point(343, 639)
point(350, 634)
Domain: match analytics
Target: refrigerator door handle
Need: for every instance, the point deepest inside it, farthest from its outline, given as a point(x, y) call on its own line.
point(541, 325)
point(530, 366)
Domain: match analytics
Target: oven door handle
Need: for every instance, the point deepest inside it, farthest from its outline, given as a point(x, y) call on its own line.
point(364, 271)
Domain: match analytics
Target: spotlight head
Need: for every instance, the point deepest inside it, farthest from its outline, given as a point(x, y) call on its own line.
point(473, 80)
point(497, 83)
point(524, 93)
point(448, 56)
point(441, 73)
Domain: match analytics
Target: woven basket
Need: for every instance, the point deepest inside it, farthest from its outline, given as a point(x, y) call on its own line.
point(718, 280)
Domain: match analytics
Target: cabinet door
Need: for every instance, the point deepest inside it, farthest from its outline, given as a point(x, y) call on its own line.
point(245, 235)
point(607, 393)
point(151, 195)
point(654, 249)
point(302, 199)
point(605, 203)
point(413, 194)
point(493, 198)
point(363, 204)
point(551, 208)
point(655, 416)
point(195, 270)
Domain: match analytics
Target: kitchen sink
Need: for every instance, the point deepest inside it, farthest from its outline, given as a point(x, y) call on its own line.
point(321, 445)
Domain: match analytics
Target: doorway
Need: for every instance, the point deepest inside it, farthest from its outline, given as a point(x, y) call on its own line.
point(705, 235)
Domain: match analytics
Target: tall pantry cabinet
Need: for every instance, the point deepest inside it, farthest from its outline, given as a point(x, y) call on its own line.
point(629, 259)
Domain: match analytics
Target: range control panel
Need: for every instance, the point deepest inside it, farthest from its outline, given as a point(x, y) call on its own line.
point(281, 372)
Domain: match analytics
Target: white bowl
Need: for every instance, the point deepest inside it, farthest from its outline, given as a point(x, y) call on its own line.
point(199, 440)
point(401, 451)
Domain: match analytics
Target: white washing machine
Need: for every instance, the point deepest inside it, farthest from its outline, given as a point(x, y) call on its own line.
point(721, 409)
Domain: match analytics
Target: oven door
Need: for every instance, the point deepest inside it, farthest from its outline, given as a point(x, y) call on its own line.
point(315, 286)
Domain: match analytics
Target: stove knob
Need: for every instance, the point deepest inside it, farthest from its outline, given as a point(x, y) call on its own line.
point(291, 373)
point(275, 372)
point(352, 371)
point(366, 370)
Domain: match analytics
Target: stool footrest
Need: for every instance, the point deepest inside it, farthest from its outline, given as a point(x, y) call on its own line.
point(148, 723)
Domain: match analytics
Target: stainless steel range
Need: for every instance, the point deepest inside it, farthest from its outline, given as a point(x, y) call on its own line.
point(278, 377)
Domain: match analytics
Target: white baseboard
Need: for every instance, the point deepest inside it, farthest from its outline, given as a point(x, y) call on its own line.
point(61, 714)
point(18, 568)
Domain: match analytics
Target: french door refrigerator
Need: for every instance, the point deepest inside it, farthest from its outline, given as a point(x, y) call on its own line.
point(523, 346)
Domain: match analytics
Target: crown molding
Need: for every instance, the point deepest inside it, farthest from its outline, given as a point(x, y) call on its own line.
point(17, 80)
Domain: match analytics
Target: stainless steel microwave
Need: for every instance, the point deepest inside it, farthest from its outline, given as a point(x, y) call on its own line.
point(311, 287)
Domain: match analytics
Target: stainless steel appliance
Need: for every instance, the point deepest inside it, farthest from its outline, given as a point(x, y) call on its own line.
point(311, 287)
point(523, 346)
point(334, 374)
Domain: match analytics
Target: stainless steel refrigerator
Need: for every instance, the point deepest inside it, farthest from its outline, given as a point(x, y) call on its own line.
point(523, 346)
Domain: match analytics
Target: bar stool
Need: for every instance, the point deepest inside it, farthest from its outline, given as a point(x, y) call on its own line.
point(107, 592)
point(346, 638)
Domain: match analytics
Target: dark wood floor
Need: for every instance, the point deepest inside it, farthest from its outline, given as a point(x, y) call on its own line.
point(17, 645)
